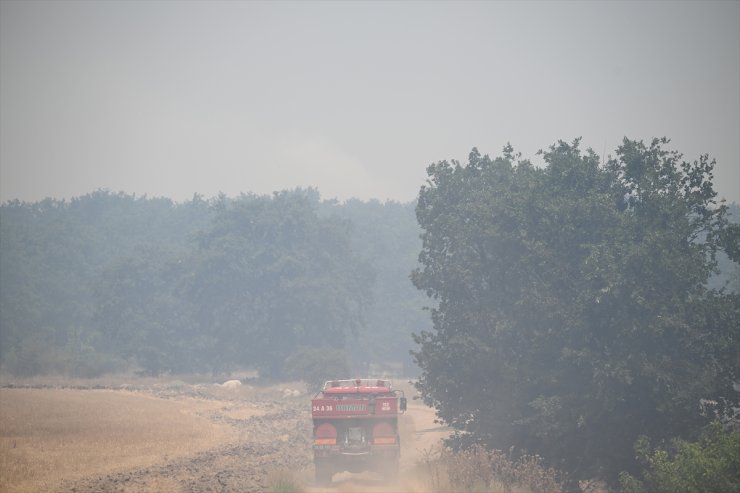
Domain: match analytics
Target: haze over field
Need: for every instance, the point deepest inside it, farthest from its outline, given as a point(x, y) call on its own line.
point(357, 98)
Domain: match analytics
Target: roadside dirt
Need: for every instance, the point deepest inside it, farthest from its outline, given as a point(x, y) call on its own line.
point(266, 433)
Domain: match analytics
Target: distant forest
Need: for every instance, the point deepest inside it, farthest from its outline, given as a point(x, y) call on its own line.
point(110, 282)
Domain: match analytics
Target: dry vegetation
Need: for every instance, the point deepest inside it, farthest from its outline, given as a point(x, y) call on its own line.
point(477, 470)
point(48, 435)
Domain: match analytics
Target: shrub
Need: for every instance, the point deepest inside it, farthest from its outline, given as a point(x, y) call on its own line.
point(315, 366)
point(284, 482)
point(479, 470)
point(710, 464)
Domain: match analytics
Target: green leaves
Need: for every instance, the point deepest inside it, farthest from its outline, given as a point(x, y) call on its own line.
point(712, 463)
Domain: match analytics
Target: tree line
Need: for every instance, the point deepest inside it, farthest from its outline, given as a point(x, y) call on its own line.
point(110, 281)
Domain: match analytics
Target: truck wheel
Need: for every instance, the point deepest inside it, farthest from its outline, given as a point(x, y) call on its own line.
point(323, 474)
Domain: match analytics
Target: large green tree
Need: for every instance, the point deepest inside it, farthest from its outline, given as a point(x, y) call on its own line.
point(572, 313)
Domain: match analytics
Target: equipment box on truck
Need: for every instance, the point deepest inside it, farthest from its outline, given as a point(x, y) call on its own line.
point(355, 428)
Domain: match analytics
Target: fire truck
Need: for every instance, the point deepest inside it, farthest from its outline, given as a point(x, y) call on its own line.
point(355, 428)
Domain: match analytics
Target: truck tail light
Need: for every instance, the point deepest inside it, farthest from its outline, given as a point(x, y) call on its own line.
point(325, 434)
point(384, 434)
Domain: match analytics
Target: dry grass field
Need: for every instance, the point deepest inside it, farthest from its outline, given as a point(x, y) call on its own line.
point(51, 435)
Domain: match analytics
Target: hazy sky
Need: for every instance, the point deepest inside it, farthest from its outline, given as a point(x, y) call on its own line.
point(176, 97)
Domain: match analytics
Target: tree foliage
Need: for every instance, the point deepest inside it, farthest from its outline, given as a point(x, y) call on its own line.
point(315, 366)
point(711, 463)
point(272, 276)
point(572, 310)
point(386, 237)
point(52, 255)
point(109, 281)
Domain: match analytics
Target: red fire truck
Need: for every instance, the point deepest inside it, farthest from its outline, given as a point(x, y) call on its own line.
point(355, 428)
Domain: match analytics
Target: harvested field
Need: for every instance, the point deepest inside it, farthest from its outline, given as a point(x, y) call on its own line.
point(50, 435)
